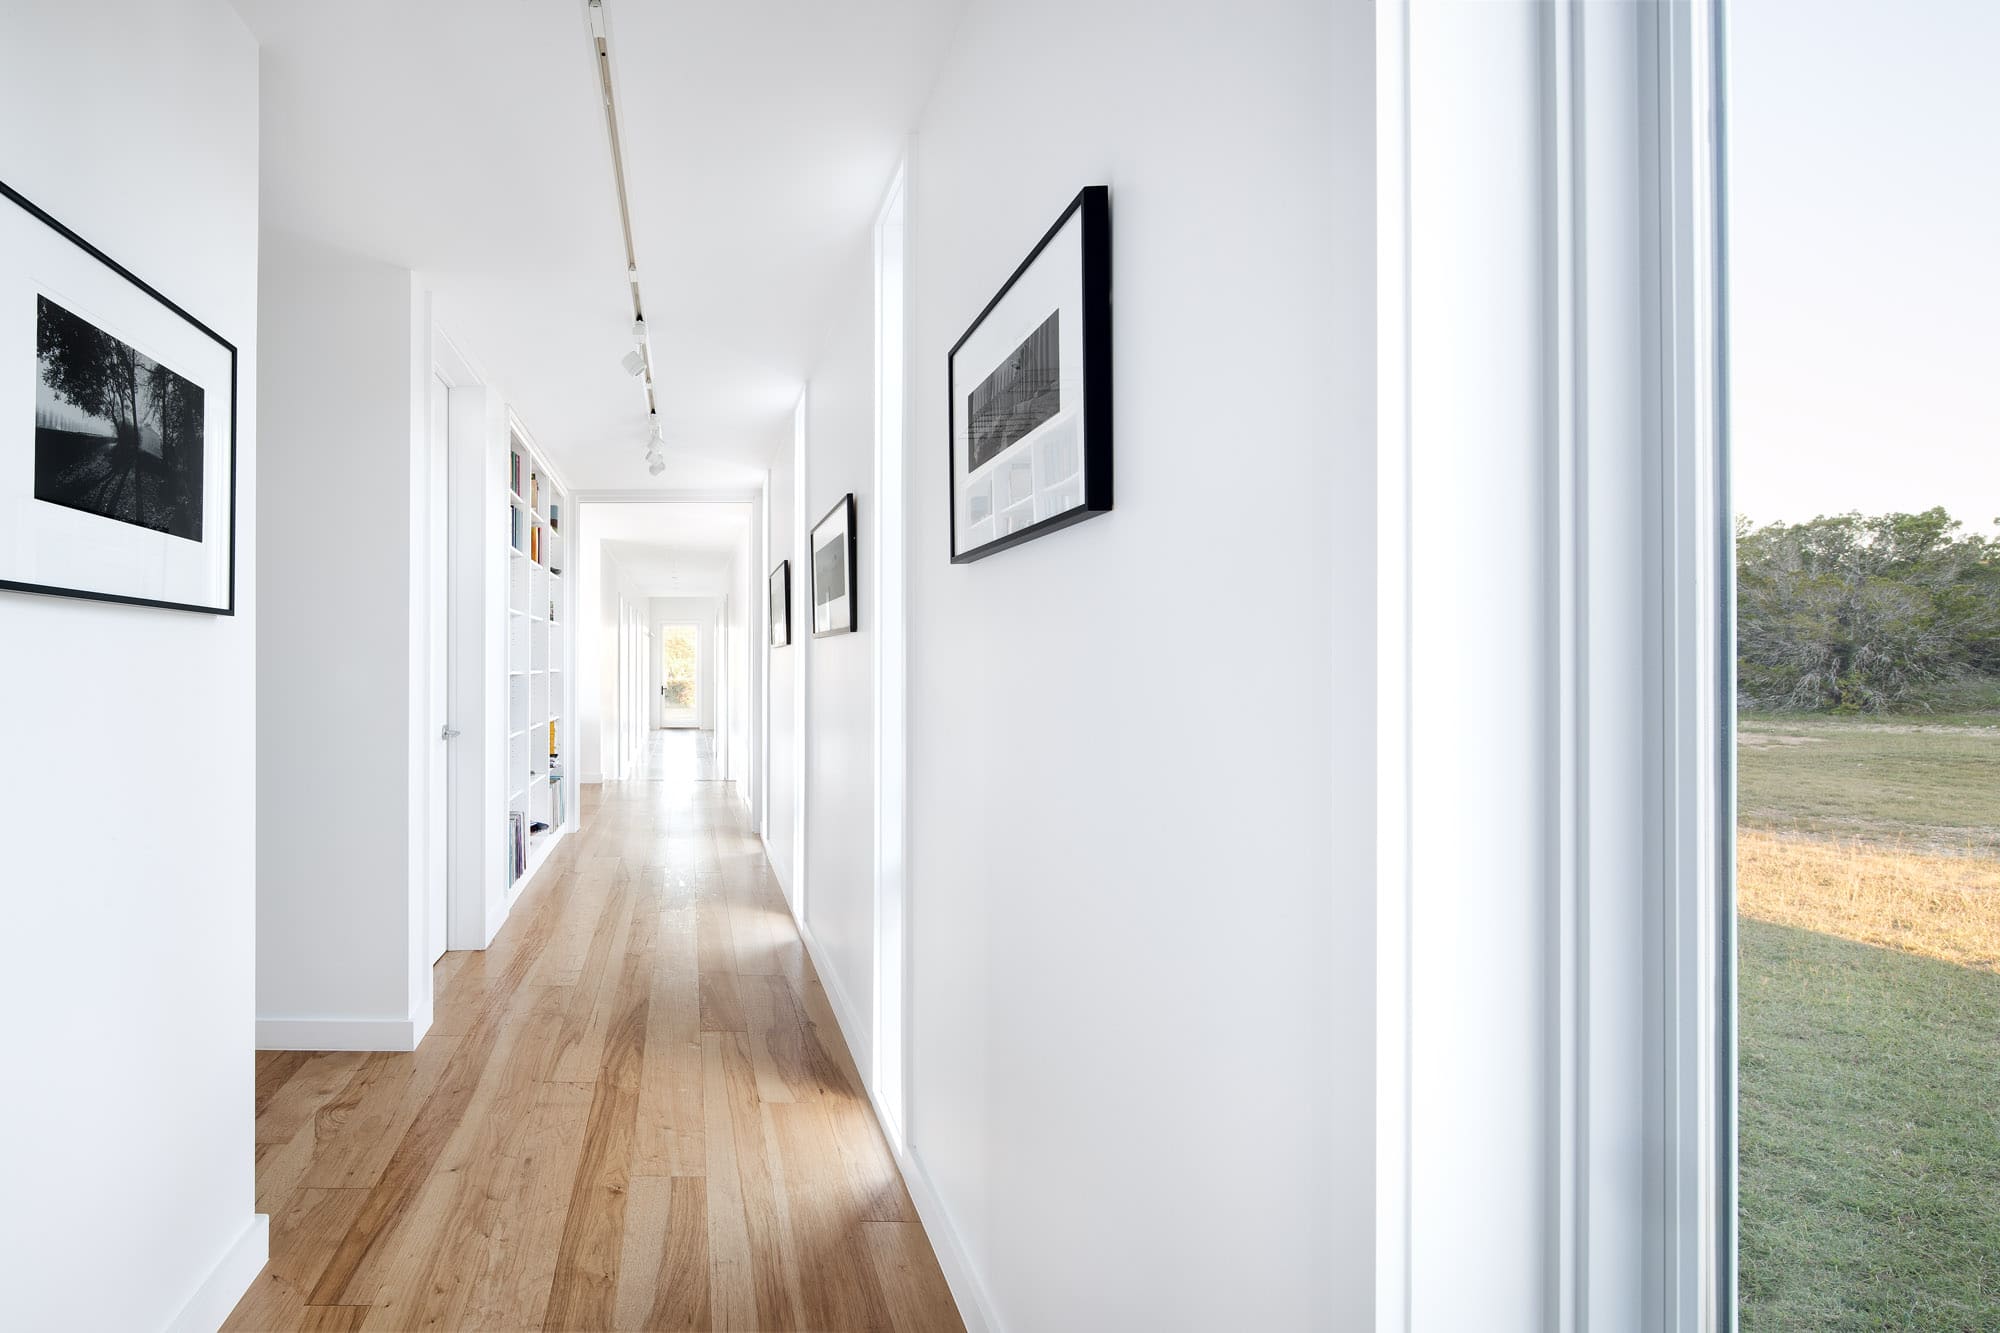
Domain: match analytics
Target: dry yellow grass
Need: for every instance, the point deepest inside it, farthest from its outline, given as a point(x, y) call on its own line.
point(1945, 907)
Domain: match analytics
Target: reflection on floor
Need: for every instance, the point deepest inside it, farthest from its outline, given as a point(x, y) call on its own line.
point(679, 754)
point(633, 1111)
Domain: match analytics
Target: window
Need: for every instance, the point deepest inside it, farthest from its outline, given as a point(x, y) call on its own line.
point(1867, 558)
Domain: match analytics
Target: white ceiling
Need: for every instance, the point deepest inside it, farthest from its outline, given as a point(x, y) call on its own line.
point(464, 139)
point(669, 550)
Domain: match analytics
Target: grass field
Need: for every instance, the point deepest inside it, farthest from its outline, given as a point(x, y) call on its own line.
point(1869, 980)
point(1870, 1163)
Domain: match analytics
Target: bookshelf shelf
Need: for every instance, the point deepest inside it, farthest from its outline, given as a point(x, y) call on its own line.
point(537, 653)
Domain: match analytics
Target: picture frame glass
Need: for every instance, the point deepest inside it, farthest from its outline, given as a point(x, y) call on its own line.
point(117, 431)
point(781, 605)
point(1018, 451)
point(833, 571)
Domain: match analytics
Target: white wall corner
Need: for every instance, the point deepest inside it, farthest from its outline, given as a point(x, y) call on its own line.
point(227, 1281)
point(975, 1307)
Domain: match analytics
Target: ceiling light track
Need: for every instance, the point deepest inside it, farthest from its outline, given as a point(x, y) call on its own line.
point(639, 361)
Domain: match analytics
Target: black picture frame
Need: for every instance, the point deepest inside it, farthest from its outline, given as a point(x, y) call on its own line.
point(227, 607)
point(841, 606)
point(1092, 207)
point(779, 630)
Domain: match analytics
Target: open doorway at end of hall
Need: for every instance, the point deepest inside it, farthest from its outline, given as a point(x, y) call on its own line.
point(683, 701)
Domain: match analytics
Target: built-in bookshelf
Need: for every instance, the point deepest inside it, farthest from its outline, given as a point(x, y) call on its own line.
point(540, 794)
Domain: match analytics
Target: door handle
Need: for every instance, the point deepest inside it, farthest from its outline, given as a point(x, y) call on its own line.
point(450, 733)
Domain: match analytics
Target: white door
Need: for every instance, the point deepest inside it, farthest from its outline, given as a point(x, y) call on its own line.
point(437, 804)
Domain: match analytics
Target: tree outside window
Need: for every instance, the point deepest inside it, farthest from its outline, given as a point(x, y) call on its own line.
point(677, 647)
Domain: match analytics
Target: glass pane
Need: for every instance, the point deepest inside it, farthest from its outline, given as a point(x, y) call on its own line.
point(677, 666)
point(1863, 292)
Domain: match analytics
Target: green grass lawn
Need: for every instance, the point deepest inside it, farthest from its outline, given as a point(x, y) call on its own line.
point(1870, 1078)
point(1928, 783)
point(1870, 1137)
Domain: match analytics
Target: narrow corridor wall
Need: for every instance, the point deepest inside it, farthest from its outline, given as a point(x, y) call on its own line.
point(840, 683)
point(127, 1138)
point(1141, 748)
point(782, 666)
point(341, 961)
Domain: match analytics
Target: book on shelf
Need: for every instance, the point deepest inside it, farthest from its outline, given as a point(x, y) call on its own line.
point(515, 535)
point(514, 472)
point(552, 740)
point(517, 840)
point(555, 516)
point(534, 490)
point(535, 544)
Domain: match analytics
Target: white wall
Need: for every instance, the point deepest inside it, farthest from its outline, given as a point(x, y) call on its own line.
point(1141, 919)
point(126, 1137)
point(340, 948)
point(840, 685)
point(781, 666)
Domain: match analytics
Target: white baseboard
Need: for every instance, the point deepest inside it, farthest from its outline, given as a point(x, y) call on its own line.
point(227, 1281)
point(967, 1292)
point(844, 1011)
point(777, 873)
point(341, 1034)
point(592, 779)
point(974, 1307)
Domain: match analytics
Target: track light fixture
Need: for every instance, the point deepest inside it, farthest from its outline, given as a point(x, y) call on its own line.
point(637, 362)
point(656, 461)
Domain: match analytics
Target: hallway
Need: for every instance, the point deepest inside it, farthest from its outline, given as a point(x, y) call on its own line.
point(678, 755)
point(634, 1110)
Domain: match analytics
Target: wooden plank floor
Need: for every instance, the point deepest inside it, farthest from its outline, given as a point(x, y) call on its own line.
point(634, 1111)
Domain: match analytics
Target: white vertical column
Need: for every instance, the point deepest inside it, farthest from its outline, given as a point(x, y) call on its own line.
point(802, 636)
point(890, 646)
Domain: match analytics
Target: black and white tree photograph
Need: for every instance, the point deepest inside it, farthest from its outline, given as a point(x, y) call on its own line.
point(117, 434)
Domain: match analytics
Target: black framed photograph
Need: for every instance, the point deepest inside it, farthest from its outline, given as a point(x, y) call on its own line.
point(117, 429)
point(781, 605)
point(1029, 388)
point(834, 570)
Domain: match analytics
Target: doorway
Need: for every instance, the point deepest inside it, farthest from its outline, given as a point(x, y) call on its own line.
point(680, 675)
point(438, 732)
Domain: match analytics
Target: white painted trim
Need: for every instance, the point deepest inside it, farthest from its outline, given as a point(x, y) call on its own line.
point(889, 653)
point(1394, 899)
point(591, 780)
point(226, 1283)
point(803, 641)
point(1680, 49)
point(341, 1034)
point(975, 1308)
point(1624, 612)
point(776, 873)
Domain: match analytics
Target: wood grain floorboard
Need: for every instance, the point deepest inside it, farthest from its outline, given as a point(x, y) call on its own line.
point(632, 1111)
